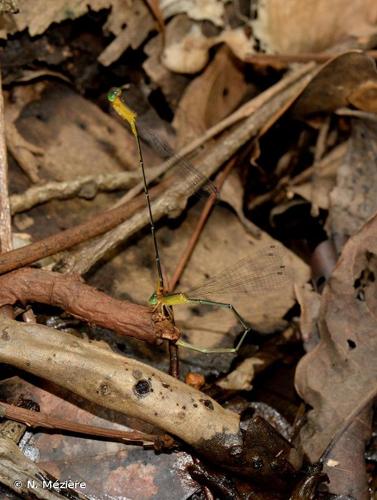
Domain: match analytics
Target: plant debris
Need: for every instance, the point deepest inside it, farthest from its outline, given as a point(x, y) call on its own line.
point(237, 132)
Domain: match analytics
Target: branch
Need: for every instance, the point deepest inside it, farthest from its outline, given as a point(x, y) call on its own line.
point(138, 390)
point(84, 187)
point(56, 243)
point(42, 420)
point(84, 302)
point(115, 382)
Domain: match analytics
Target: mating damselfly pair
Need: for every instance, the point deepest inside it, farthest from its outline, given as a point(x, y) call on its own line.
point(260, 274)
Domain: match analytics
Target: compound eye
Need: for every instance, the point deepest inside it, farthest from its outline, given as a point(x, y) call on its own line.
point(113, 94)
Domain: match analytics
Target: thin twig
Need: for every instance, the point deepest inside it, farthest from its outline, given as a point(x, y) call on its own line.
point(85, 187)
point(56, 243)
point(5, 218)
point(44, 421)
point(303, 57)
point(173, 348)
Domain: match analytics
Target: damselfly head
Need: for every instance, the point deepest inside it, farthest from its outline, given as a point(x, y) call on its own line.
point(153, 299)
point(114, 93)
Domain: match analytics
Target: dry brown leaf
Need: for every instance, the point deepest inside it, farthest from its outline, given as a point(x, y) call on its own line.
point(336, 84)
point(155, 8)
point(340, 374)
point(296, 26)
point(171, 84)
point(77, 138)
point(365, 97)
point(210, 97)
point(232, 193)
point(353, 200)
point(309, 301)
point(37, 15)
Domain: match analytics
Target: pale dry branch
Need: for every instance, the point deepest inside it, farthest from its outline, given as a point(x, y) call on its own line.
point(116, 382)
point(84, 187)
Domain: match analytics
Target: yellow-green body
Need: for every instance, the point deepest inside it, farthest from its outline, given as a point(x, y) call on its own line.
point(122, 109)
point(170, 299)
point(160, 301)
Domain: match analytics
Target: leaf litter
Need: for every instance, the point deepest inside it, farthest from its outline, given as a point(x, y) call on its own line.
point(296, 186)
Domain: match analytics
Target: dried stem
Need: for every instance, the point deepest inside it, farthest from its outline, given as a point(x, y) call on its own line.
point(115, 382)
point(5, 219)
point(85, 187)
point(84, 302)
point(56, 243)
point(283, 60)
point(42, 420)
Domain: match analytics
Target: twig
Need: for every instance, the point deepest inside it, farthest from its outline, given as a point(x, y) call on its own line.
point(5, 219)
point(303, 57)
point(84, 302)
point(320, 149)
point(85, 187)
point(44, 421)
point(115, 382)
point(56, 243)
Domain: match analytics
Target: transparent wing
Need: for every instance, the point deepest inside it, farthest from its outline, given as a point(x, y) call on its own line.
point(192, 175)
point(264, 272)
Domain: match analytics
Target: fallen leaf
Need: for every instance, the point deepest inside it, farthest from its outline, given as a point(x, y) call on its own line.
point(37, 16)
point(171, 84)
point(337, 376)
point(335, 84)
point(76, 137)
point(309, 301)
point(210, 97)
point(232, 193)
point(187, 48)
point(353, 198)
point(294, 26)
point(138, 21)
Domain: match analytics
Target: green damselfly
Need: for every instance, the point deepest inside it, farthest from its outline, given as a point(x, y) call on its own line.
point(249, 276)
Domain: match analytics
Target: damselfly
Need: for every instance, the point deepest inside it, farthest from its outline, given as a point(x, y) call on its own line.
point(264, 272)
